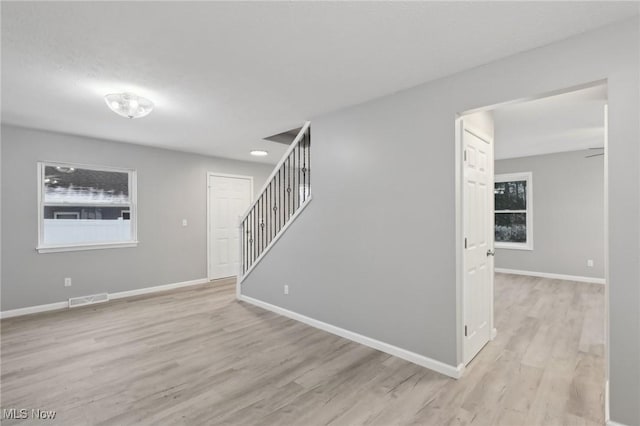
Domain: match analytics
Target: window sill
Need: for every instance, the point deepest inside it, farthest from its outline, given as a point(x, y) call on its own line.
point(513, 246)
point(82, 247)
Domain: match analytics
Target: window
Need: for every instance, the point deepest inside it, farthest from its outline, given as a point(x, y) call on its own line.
point(513, 211)
point(85, 207)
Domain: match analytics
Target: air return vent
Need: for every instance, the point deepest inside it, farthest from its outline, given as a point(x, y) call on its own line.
point(88, 300)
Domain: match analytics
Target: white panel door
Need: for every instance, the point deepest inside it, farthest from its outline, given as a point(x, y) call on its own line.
point(229, 199)
point(478, 243)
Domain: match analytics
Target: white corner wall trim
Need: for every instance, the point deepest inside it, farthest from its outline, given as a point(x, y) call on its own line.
point(608, 421)
point(119, 295)
point(607, 416)
point(432, 364)
point(552, 276)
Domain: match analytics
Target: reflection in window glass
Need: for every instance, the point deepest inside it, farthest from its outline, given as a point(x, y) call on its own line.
point(81, 205)
point(511, 195)
point(513, 209)
point(511, 227)
point(77, 185)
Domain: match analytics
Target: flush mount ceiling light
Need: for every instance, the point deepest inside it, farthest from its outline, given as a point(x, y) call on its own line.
point(259, 153)
point(129, 105)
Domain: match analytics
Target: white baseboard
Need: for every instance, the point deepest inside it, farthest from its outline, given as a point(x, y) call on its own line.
point(156, 289)
point(119, 295)
point(552, 276)
point(612, 423)
point(34, 309)
point(432, 364)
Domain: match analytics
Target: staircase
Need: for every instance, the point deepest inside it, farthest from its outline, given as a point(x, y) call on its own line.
point(285, 194)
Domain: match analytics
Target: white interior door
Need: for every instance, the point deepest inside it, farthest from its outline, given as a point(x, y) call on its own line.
point(229, 198)
point(478, 241)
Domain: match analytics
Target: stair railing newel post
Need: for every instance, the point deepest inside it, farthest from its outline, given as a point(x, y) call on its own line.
point(284, 193)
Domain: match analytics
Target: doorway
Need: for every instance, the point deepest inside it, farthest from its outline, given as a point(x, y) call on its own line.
point(551, 298)
point(228, 198)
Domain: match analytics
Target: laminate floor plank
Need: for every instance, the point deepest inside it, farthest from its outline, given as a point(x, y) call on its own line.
point(196, 356)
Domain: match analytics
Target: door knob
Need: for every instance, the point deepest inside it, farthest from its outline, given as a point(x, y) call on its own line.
point(491, 252)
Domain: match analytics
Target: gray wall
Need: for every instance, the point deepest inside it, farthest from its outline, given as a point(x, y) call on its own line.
point(375, 250)
point(568, 214)
point(171, 187)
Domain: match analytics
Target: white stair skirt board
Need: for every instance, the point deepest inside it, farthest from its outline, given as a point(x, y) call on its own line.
point(119, 295)
point(552, 276)
point(421, 360)
point(277, 237)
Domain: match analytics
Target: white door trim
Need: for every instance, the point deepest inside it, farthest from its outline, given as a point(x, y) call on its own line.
point(206, 187)
point(459, 220)
point(607, 279)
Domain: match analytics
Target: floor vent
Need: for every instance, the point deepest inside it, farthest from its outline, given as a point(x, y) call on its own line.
point(88, 300)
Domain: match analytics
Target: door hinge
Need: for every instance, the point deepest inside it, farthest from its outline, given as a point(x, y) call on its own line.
point(465, 243)
point(465, 331)
point(465, 155)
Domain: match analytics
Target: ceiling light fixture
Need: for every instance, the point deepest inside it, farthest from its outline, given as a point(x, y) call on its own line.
point(128, 105)
point(259, 153)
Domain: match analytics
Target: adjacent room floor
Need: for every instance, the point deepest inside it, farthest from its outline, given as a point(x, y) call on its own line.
point(196, 356)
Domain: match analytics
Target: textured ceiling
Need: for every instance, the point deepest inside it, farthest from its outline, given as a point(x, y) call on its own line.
point(567, 122)
point(225, 75)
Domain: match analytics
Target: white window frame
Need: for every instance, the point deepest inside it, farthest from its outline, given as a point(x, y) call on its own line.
point(132, 206)
point(510, 177)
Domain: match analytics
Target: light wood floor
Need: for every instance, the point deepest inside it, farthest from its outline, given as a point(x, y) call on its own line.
point(198, 357)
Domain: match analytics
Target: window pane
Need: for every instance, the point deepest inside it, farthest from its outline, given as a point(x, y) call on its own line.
point(84, 212)
point(79, 225)
point(75, 185)
point(511, 195)
point(511, 227)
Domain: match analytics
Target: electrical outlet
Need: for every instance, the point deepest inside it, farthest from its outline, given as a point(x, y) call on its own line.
point(67, 282)
point(184, 222)
point(590, 263)
point(286, 289)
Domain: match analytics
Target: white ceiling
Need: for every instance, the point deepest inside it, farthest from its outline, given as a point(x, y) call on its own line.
point(566, 122)
point(225, 75)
